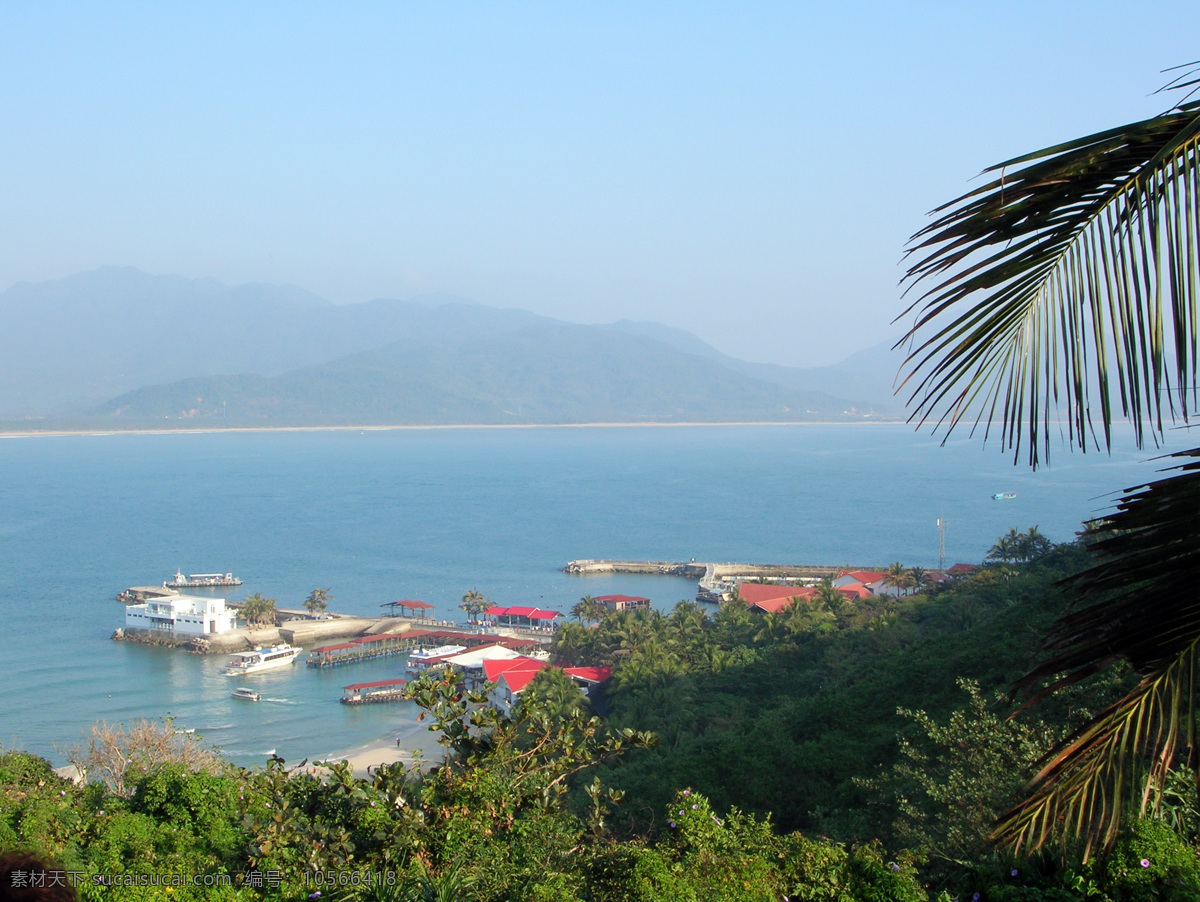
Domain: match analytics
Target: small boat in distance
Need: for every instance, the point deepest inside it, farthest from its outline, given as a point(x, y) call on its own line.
point(202, 581)
point(248, 694)
point(244, 662)
point(1004, 496)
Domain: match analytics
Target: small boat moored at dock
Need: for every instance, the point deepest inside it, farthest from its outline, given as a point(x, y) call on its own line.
point(261, 659)
point(248, 694)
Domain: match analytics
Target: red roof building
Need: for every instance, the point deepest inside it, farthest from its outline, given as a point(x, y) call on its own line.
point(855, 590)
point(512, 616)
point(591, 676)
point(866, 577)
point(768, 597)
point(623, 602)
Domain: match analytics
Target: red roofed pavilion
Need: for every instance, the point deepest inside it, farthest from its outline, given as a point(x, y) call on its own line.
point(407, 608)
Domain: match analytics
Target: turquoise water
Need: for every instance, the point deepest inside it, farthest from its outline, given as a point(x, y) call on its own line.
point(428, 514)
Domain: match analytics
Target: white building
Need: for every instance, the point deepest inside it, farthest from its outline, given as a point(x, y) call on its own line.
point(187, 615)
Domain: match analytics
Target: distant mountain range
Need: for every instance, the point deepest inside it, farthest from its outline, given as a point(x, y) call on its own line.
point(118, 348)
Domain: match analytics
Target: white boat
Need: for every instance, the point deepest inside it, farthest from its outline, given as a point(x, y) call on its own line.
point(261, 659)
point(427, 658)
point(1004, 496)
point(248, 694)
point(202, 581)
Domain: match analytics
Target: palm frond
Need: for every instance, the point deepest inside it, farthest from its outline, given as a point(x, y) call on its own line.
point(1069, 279)
point(1148, 614)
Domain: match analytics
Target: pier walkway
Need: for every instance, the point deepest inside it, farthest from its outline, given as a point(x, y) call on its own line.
point(365, 648)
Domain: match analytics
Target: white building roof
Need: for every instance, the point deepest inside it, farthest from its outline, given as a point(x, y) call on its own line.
point(476, 656)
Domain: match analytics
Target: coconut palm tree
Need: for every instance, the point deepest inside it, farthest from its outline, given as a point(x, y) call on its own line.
point(1035, 545)
point(832, 599)
point(258, 610)
point(317, 601)
point(474, 603)
point(1068, 284)
point(589, 610)
point(572, 644)
point(553, 693)
point(920, 578)
point(899, 578)
point(1005, 549)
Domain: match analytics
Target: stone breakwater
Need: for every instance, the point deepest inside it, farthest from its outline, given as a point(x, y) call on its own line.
point(659, 568)
point(715, 582)
point(713, 572)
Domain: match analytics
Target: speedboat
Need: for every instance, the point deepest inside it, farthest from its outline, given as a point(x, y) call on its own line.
point(248, 694)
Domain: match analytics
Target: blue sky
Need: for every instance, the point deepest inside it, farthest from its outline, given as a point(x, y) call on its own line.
point(749, 172)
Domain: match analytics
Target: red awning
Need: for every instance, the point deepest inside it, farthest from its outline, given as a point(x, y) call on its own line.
point(495, 611)
point(339, 647)
point(378, 637)
point(543, 615)
point(375, 685)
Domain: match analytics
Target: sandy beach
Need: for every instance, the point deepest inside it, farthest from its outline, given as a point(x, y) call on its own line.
point(413, 737)
point(418, 427)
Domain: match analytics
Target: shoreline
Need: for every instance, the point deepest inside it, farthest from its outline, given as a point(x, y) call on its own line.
point(212, 430)
point(413, 737)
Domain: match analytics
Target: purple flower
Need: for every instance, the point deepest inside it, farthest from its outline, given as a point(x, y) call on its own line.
point(687, 792)
point(975, 898)
point(1013, 872)
point(1145, 862)
point(694, 807)
point(316, 895)
point(672, 823)
point(894, 866)
point(372, 804)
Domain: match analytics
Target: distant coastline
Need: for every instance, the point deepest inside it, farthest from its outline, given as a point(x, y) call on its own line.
point(209, 430)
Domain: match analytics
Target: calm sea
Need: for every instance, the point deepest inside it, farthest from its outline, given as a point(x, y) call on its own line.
point(428, 514)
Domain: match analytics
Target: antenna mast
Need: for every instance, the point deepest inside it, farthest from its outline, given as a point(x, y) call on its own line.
point(941, 527)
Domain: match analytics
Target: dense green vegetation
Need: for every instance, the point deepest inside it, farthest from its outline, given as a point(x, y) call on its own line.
point(834, 751)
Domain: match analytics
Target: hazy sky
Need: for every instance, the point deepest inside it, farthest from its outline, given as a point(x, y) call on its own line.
point(747, 171)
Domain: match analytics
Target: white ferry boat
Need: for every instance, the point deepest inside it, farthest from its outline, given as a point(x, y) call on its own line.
point(249, 695)
point(261, 659)
point(202, 581)
point(426, 658)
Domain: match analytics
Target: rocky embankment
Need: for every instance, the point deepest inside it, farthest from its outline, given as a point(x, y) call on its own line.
point(690, 570)
point(293, 632)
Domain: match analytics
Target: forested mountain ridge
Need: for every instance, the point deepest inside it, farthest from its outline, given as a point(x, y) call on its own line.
point(118, 347)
